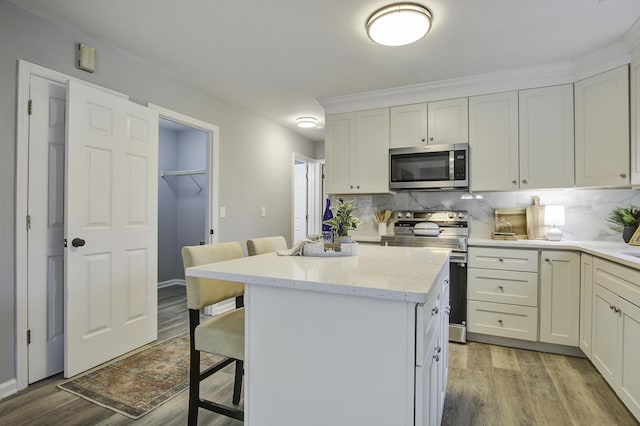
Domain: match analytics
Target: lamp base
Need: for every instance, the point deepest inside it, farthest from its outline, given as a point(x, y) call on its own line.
point(554, 234)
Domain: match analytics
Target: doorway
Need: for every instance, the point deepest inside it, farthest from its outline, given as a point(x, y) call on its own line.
point(307, 197)
point(42, 295)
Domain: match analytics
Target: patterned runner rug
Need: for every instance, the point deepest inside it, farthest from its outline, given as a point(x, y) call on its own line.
point(137, 384)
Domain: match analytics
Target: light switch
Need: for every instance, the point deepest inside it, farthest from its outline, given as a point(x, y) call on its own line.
point(263, 212)
point(223, 212)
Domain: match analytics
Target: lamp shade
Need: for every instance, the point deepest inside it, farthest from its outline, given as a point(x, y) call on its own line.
point(554, 215)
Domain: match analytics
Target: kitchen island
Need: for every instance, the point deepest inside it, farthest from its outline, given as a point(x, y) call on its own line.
point(354, 340)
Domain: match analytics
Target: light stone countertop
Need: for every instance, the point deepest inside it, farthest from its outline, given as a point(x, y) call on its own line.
point(614, 251)
point(392, 273)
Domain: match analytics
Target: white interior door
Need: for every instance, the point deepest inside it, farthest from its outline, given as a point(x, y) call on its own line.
point(45, 234)
point(111, 227)
point(300, 215)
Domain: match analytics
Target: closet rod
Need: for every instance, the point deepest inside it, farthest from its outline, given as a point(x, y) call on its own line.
point(189, 173)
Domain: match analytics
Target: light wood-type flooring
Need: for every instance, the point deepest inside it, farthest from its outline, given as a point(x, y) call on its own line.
point(488, 385)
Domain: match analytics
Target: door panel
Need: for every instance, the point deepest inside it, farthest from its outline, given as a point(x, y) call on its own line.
point(45, 237)
point(111, 279)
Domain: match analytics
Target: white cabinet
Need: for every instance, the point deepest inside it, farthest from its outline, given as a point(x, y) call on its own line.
point(448, 121)
point(522, 140)
point(546, 142)
point(435, 123)
point(635, 117)
point(616, 329)
point(408, 126)
point(560, 297)
point(502, 292)
point(357, 152)
point(432, 339)
point(586, 298)
point(602, 129)
point(493, 142)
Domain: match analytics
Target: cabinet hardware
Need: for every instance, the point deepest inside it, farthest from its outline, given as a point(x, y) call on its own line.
point(351, 186)
point(623, 175)
point(435, 311)
point(500, 322)
point(524, 181)
point(446, 281)
point(423, 139)
point(501, 288)
point(515, 182)
point(438, 349)
point(431, 139)
point(436, 357)
point(500, 259)
point(358, 187)
point(547, 260)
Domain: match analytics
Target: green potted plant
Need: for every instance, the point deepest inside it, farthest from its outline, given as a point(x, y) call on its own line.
point(342, 220)
point(625, 219)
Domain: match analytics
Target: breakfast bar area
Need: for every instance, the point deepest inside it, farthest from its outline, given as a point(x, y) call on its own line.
point(343, 340)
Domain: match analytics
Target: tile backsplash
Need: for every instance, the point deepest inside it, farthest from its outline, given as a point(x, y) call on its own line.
point(585, 209)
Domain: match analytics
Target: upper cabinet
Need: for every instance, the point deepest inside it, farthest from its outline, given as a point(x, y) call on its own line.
point(434, 123)
point(546, 137)
point(522, 140)
point(602, 129)
point(635, 118)
point(493, 142)
point(357, 152)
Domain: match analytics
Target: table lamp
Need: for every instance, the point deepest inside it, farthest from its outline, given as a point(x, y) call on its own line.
point(554, 217)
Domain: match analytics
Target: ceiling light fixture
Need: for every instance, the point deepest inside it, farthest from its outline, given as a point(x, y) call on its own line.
point(399, 24)
point(307, 122)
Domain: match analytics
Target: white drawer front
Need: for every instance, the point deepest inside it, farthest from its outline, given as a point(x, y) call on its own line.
point(617, 278)
point(505, 259)
point(497, 319)
point(515, 288)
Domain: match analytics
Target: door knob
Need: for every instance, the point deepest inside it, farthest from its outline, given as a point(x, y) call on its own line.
point(78, 242)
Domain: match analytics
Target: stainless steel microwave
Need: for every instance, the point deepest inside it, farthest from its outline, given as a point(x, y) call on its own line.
point(429, 167)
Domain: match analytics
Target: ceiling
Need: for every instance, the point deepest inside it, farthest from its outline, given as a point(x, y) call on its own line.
point(277, 57)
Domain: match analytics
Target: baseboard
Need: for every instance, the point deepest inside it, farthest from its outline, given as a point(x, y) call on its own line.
point(8, 388)
point(170, 283)
point(525, 344)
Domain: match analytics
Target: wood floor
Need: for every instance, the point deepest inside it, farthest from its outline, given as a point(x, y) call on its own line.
point(488, 385)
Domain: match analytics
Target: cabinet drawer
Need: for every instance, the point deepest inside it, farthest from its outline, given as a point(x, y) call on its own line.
point(491, 285)
point(619, 279)
point(498, 319)
point(428, 317)
point(505, 259)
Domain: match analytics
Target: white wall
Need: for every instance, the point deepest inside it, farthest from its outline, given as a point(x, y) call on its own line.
point(255, 152)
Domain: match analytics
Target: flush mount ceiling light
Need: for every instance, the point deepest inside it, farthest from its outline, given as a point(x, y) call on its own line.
point(399, 24)
point(307, 122)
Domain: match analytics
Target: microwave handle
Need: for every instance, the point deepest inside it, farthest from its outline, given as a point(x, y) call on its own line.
point(452, 169)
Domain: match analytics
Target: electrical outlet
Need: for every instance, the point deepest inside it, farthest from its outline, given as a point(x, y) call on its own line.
point(223, 212)
point(263, 212)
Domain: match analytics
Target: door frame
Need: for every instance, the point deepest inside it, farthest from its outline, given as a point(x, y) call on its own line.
point(314, 193)
point(25, 71)
point(213, 162)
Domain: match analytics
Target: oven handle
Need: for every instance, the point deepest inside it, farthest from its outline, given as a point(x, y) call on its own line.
point(457, 257)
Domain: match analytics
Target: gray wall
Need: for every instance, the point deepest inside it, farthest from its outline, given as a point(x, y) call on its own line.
point(255, 166)
point(167, 206)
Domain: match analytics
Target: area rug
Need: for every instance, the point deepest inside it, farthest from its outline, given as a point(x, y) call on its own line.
point(137, 384)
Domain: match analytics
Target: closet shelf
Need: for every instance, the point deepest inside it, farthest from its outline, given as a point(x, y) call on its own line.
point(189, 173)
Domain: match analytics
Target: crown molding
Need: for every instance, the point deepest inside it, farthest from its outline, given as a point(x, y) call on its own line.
point(610, 57)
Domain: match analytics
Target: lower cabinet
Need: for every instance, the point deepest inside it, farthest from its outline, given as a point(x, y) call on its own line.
point(559, 297)
point(616, 329)
point(432, 340)
point(586, 298)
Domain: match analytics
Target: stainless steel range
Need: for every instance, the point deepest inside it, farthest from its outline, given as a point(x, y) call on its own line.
point(443, 229)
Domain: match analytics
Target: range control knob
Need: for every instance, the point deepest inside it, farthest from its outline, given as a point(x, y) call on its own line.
point(408, 215)
point(452, 215)
point(460, 215)
point(399, 215)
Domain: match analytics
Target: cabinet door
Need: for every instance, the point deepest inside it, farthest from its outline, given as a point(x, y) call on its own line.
point(546, 137)
point(635, 117)
point(629, 338)
point(448, 121)
point(408, 126)
point(340, 132)
point(586, 297)
point(427, 395)
point(560, 297)
point(493, 141)
point(602, 129)
point(604, 349)
point(370, 156)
